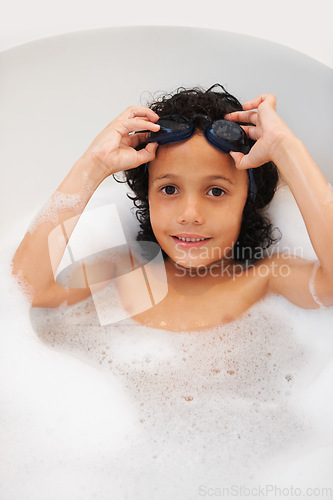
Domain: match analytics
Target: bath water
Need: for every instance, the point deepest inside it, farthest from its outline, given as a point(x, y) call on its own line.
point(125, 411)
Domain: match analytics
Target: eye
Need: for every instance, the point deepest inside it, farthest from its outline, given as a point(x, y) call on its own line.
point(217, 192)
point(169, 189)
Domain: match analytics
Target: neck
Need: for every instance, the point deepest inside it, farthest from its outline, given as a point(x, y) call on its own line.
point(217, 268)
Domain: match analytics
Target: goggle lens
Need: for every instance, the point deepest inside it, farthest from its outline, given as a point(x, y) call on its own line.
point(227, 131)
point(172, 129)
point(173, 123)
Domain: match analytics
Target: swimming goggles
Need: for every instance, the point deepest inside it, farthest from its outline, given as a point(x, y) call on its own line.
point(223, 134)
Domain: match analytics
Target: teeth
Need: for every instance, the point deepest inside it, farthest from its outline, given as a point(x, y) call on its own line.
point(191, 239)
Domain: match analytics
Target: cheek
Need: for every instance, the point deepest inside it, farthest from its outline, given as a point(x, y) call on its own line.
point(229, 223)
point(158, 217)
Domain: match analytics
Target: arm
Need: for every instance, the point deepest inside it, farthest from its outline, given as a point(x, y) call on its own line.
point(313, 194)
point(110, 152)
point(32, 260)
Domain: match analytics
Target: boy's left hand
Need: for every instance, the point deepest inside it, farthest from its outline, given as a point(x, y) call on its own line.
point(268, 130)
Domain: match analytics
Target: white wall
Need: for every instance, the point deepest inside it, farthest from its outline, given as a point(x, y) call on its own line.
point(300, 24)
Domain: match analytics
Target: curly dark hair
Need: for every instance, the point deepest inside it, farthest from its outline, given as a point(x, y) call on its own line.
point(256, 233)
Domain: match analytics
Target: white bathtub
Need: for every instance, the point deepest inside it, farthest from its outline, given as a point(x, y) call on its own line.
point(128, 412)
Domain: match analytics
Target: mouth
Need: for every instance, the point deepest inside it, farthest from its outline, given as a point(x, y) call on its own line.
point(190, 242)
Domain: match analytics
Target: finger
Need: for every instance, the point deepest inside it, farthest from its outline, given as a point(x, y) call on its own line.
point(251, 132)
point(125, 127)
point(148, 153)
point(134, 140)
point(243, 116)
point(243, 162)
point(255, 103)
point(237, 157)
point(141, 111)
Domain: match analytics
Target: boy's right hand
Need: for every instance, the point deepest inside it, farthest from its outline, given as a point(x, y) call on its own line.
point(113, 150)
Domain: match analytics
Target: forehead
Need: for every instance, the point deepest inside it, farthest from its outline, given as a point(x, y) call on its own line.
point(194, 157)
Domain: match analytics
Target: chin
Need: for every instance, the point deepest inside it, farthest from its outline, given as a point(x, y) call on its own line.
point(192, 264)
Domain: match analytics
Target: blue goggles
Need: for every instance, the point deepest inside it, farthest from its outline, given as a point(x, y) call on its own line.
point(223, 134)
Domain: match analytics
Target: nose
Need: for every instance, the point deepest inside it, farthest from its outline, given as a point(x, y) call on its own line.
point(190, 211)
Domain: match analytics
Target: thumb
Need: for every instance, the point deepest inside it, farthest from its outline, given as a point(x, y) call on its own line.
point(243, 162)
point(148, 153)
point(237, 157)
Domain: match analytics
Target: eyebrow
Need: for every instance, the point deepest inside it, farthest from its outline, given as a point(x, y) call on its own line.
point(207, 178)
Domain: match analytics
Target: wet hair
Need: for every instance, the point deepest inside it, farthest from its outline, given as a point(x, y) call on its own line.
point(256, 232)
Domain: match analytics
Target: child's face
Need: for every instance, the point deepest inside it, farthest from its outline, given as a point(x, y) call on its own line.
point(194, 204)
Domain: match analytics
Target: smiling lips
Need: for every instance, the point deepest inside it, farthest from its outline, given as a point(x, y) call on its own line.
point(190, 239)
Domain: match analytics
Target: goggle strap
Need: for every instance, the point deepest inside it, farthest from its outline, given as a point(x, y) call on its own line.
point(253, 185)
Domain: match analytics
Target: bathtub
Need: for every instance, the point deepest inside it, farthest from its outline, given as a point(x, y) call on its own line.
point(120, 410)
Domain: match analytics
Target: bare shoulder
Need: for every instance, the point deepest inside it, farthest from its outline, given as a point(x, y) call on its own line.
point(293, 277)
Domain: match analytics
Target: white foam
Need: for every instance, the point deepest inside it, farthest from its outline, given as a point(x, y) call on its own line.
point(312, 285)
point(59, 416)
point(60, 202)
point(229, 403)
point(57, 203)
point(125, 411)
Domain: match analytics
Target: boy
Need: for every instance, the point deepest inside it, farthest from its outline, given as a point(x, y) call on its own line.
point(199, 197)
